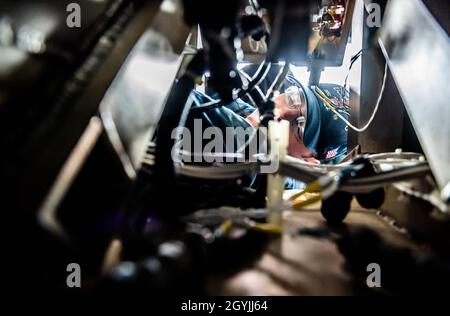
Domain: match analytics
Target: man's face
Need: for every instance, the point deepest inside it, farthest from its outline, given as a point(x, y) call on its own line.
point(290, 105)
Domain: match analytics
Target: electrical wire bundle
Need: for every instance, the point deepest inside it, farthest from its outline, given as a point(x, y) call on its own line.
point(325, 182)
point(348, 171)
point(308, 172)
point(332, 105)
point(361, 178)
point(218, 222)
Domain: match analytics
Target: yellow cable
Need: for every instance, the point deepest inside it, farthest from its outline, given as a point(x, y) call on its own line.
point(300, 204)
point(324, 96)
point(327, 103)
point(267, 228)
point(225, 226)
point(310, 188)
point(318, 90)
point(297, 195)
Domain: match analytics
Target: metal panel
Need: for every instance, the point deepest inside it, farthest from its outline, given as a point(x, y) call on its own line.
point(418, 53)
point(50, 152)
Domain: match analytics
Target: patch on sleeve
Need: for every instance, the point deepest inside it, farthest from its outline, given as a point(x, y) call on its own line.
point(331, 153)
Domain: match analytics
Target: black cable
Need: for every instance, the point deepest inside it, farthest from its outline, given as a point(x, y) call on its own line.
point(299, 135)
point(206, 106)
point(307, 174)
point(254, 5)
point(261, 75)
point(262, 72)
point(278, 81)
point(353, 59)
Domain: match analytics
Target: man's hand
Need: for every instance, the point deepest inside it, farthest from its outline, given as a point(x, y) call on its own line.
point(253, 118)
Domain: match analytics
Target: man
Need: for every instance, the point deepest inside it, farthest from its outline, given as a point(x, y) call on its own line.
point(292, 107)
point(317, 134)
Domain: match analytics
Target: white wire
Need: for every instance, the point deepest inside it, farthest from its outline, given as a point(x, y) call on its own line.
point(375, 110)
point(430, 198)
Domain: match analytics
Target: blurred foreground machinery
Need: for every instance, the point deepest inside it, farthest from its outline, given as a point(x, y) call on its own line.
point(86, 116)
